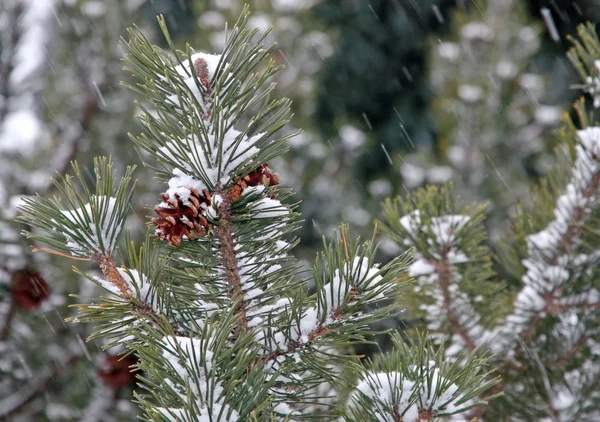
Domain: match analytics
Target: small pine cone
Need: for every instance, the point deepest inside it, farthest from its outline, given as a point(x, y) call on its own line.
point(116, 371)
point(201, 70)
point(177, 219)
point(261, 176)
point(29, 289)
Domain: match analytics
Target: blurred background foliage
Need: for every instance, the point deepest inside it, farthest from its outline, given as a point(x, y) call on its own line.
point(390, 94)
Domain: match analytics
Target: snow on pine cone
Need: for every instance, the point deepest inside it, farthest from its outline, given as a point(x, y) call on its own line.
point(182, 214)
point(261, 176)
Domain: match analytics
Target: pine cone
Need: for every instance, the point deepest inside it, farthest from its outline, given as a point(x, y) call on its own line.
point(176, 219)
point(116, 371)
point(201, 70)
point(29, 289)
point(261, 176)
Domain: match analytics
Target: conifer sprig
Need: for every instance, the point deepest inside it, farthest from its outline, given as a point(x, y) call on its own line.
point(216, 311)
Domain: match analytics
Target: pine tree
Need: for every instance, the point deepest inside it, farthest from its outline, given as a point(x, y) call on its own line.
point(212, 304)
point(540, 323)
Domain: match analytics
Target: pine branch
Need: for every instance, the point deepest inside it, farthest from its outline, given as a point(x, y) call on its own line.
point(552, 250)
point(445, 246)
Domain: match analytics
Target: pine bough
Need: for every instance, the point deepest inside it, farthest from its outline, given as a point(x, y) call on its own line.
point(212, 304)
point(541, 323)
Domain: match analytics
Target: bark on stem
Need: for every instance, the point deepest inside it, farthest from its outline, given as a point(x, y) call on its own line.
point(444, 271)
point(229, 262)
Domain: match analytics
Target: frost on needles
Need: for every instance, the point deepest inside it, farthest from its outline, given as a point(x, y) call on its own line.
point(212, 304)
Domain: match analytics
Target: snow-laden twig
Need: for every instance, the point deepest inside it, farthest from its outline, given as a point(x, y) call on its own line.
point(438, 275)
point(553, 255)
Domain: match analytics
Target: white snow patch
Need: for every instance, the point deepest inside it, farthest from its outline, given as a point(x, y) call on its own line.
point(95, 241)
point(269, 208)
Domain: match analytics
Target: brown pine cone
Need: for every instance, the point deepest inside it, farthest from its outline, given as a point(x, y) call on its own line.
point(116, 371)
point(176, 219)
point(261, 176)
point(29, 289)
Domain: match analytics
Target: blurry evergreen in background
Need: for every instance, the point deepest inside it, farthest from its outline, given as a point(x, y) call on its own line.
point(378, 74)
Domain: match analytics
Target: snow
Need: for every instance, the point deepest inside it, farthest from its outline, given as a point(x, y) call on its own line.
point(411, 222)
point(593, 85)
point(448, 51)
point(506, 69)
point(420, 267)
point(137, 284)
point(195, 161)
point(192, 360)
point(404, 394)
point(359, 277)
point(352, 138)
point(212, 61)
point(213, 210)
point(93, 9)
point(446, 227)
point(439, 174)
point(532, 82)
point(211, 19)
point(269, 208)
point(171, 414)
point(290, 6)
point(181, 185)
point(83, 219)
point(548, 115)
point(412, 175)
point(470, 93)
point(249, 190)
point(442, 253)
point(477, 31)
point(380, 188)
point(20, 132)
point(551, 260)
point(31, 50)
point(590, 139)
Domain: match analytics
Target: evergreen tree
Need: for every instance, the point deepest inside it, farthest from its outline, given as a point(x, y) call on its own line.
point(540, 323)
point(215, 309)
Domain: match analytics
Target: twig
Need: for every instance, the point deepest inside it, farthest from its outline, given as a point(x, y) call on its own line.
point(557, 364)
point(53, 252)
point(444, 271)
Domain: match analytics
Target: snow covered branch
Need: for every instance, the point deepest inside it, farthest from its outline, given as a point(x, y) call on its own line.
point(437, 243)
point(414, 384)
point(553, 253)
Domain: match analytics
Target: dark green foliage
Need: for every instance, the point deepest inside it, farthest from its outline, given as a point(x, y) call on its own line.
point(378, 75)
